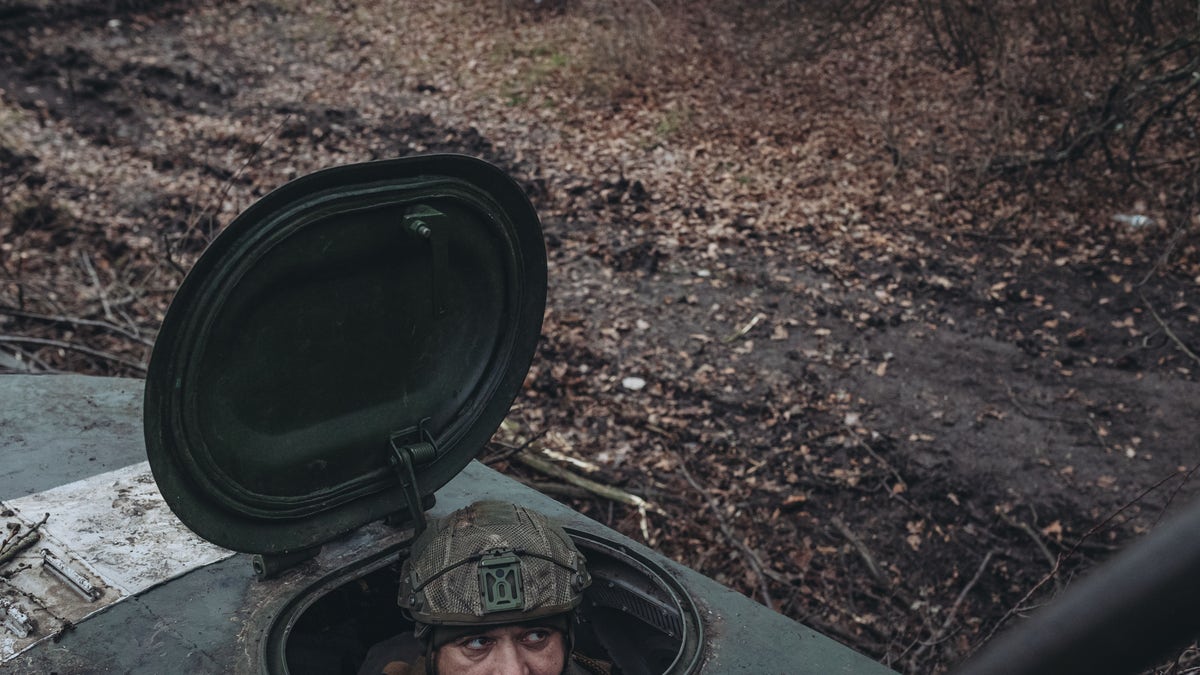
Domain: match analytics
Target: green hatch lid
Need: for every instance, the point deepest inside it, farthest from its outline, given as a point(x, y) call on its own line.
point(349, 310)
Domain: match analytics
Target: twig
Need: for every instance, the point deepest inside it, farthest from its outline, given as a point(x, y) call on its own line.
point(1067, 556)
point(536, 463)
point(654, 8)
point(228, 185)
point(1042, 545)
point(1012, 397)
point(100, 292)
point(1037, 539)
point(510, 450)
point(962, 595)
point(752, 558)
point(166, 242)
point(1167, 329)
point(75, 321)
point(1174, 493)
point(879, 458)
point(863, 551)
point(74, 347)
point(15, 544)
point(41, 366)
point(29, 539)
point(1085, 421)
point(1163, 257)
point(749, 326)
point(13, 529)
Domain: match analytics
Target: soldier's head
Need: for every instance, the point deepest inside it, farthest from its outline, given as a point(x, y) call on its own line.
point(492, 588)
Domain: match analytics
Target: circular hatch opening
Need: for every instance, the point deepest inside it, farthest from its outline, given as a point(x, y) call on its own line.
point(635, 615)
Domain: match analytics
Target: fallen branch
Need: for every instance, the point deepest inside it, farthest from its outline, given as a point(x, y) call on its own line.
point(1036, 538)
point(75, 348)
point(549, 468)
point(14, 544)
point(75, 321)
point(226, 186)
point(510, 450)
point(1063, 558)
point(879, 458)
point(27, 540)
point(100, 292)
point(958, 601)
point(1167, 329)
point(1084, 421)
point(1187, 476)
point(863, 551)
point(752, 557)
point(741, 332)
point(1176, 237)
point(1012, 397)
point(33, 365)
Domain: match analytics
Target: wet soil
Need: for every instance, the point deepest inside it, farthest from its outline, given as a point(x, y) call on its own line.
point(840, 426)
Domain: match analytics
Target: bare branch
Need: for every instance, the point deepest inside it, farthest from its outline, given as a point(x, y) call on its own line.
point(1167, 329)
point(136, 365)
point(76, 321)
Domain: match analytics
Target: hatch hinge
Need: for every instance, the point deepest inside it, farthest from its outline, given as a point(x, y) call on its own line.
point(410, 448)
point(270, 565)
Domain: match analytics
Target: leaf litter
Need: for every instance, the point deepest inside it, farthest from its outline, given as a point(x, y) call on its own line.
point(825, 376)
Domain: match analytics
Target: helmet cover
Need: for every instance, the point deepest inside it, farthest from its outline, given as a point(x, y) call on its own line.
point(491, 563)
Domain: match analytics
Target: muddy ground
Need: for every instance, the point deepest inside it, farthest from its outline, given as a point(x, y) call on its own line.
point(845, 408)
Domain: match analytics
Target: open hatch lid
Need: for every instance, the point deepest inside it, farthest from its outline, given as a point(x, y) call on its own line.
point(346, 312)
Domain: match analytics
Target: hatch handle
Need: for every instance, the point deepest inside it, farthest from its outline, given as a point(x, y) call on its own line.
point(428, 224)
point(69, 576)
point(404, 458)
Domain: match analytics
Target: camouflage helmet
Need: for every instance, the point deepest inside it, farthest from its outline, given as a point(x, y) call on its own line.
point(491, 563)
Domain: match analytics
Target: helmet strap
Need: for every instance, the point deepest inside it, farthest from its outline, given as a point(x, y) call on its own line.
point(430, 659)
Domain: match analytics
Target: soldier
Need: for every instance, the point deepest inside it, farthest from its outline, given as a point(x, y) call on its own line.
point(492, 589)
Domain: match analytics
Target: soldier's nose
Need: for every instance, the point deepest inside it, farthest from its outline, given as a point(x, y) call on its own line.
point(507, 659)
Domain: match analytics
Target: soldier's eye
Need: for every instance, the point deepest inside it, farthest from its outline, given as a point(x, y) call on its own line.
point(476, 643)
point(536, 635)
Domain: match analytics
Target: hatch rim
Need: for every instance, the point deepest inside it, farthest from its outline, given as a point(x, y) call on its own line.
point(207, 490)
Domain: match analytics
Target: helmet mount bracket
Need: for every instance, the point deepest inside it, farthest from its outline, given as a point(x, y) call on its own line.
point(500, 583)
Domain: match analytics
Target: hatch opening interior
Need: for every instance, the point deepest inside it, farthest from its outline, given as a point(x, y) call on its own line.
point(634, 615)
